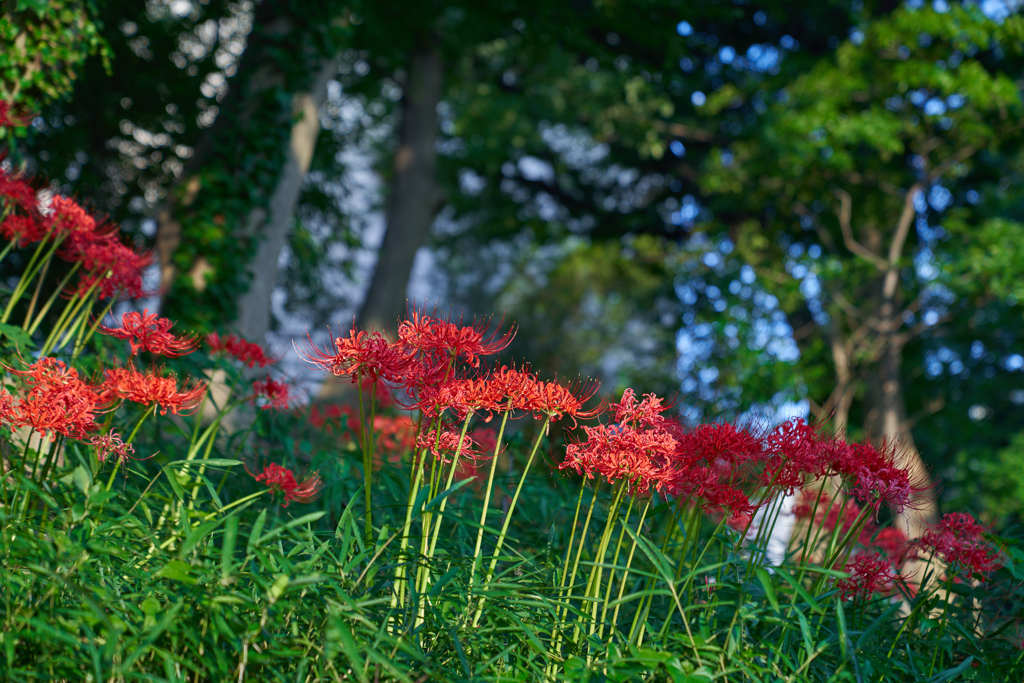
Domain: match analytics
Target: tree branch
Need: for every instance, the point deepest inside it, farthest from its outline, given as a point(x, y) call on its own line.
point(855, 247)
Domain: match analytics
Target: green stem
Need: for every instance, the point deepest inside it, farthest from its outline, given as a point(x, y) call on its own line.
point(508, 518)
point(629, 564)
point(53, 297)
point(487, 504)
point(135, 430)
point(29, 274)
point(82, 340)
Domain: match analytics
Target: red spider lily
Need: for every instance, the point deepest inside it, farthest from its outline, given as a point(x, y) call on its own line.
point(282, 480)
point(646, 412)
point(67, 217)
point(129, 384)
point(435, 336)
point(362, 355)
point(443, 444)
point(150, 332)
point(639, 449)
point(247, 352)
point(19, 193)
point(57, 401)
point(110, 445)
point(557, 401)
point(461, 396)
point(872, 475)
point(870, 574)
point(794, 452)
point(110, 266)
point(24, 229)
point(271, 393)
point(515, 387)
point(620, 452)
point(957, 539)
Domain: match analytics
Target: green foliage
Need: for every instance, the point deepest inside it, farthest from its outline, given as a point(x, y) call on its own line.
point(45, 45)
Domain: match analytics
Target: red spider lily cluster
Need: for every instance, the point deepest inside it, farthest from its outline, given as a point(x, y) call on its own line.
point(247, 352)
point(422, 366)
point(110, 446)
point(958, 540)
point(151, 389)
point(282, 480)
point(870, 574)
point(108, 266)
point(55, 401)
point(271, 394)
point(149, 332)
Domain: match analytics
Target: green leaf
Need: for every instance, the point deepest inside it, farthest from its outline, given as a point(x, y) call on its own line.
point(177, 570)
point(18, 336)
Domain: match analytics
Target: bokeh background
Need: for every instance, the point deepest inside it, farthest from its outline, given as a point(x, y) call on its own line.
point(762, 209)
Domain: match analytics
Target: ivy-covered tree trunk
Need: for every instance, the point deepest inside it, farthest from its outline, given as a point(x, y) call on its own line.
point(271, 225)
point(220, 233)
point(412, 196)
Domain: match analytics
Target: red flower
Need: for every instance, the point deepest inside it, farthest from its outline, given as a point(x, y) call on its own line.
point(282, 480)
point(129, 384)
point(148, 331)
point(22, 228)
point(109, 265)
point(869, 574)
point(434, 336)
point(557, 401)
point(362, 355)
point(56, 401)
point(461, 396)
point(273, 394)
point(957, 539)
point(16, 191)
point(444, 444)
point(69, 218)
point(110, 445)
point(640, 449)
point(247, 352)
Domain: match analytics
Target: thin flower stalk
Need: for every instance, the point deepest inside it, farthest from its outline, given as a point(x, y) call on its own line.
point(594, 581)
point(448, 484)
point(151, 409)
point(569, 576)
point(599, 565)
point(508, 516)
point(31, 329)
point(486, 504)
point(32, 268)
point(626, 571)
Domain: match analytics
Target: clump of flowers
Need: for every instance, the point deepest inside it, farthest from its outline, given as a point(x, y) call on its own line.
point(151, 389)
point(281, 480)
point(870, 574)
point(57, 401)
point(109, 446)
point(149, 332)
point(247, 352)
point(271, 394)
point(958, 540)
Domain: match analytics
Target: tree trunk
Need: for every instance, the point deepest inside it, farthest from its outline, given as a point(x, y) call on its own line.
point(886, 423)
point(411, 199)
point(271, 227)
